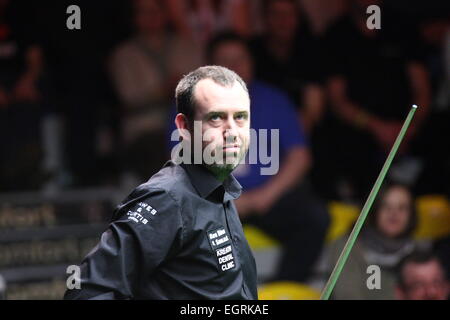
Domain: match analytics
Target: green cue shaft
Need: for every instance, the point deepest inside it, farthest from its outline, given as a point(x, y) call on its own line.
point(365, 210)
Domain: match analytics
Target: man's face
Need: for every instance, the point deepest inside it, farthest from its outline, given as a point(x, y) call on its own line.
point(224, 113)
point(282, 20)
point(424, 281)
point(149, 16)
point(234, 56)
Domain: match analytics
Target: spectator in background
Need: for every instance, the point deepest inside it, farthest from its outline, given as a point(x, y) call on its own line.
point(434, 29)
point(145, 70)
point(384, 242)
point(289, 55)
point(20, 101)
point(80, 97)
point(199, 20)
point(421, 277)
point(320, 13)
point(435, 174)
point(375, 77)
point(282, 205)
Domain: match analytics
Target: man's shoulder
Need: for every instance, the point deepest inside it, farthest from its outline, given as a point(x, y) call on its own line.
point(269, 92)
point(166, 189)
point(274, 102)
point(172, 180)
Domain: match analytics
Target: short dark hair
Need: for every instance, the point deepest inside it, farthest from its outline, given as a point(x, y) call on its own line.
point(184, 92)
point(416, 257)
point(224, 37)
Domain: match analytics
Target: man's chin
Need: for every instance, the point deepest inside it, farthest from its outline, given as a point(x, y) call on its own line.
point(228, 164)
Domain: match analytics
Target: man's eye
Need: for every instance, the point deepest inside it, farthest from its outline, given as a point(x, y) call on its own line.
point(214, 117)
point(241, 117)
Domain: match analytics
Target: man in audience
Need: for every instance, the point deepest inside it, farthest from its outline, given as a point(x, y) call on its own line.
point(422, 277)
point(375, 75)
point(281, 204)
point(289, 56)
point(145, 70)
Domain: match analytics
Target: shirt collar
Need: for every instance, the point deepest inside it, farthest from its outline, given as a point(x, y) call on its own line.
point(205, 182)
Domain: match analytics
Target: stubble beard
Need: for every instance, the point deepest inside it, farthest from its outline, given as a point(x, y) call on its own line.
point(230, 161)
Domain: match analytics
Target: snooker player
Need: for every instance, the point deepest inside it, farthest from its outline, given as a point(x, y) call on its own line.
point(178, 236)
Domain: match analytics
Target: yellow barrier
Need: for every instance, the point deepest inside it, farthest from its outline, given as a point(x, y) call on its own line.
point(258, 239)
point(433, 214)
point(287, 290)
point(342, 218)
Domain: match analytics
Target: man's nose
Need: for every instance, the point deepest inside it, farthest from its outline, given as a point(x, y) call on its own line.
point(230, 129)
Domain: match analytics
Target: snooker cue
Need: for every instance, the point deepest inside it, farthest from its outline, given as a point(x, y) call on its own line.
point(365, 210)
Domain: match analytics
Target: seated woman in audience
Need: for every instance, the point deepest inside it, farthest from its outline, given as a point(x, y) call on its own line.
point(383, 242)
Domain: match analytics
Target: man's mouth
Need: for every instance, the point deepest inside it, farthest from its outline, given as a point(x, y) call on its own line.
point(232, 148)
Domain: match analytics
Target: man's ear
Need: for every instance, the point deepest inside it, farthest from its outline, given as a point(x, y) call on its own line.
point(182, 124)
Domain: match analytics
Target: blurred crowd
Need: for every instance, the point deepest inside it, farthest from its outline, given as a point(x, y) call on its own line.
point(95, 107)
point(409, 269)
